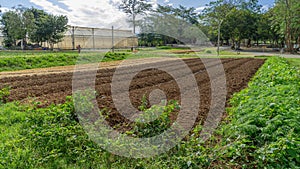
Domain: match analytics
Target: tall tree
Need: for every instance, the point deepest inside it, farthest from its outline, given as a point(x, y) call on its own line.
point(56, 27)
point(215, 13)
point(37, 25)
point(235, 19)
point(17, 24)
point(39, 34)
point(49, 28)
point(134, 8)
point(240, 24)
point(187, 14)
point(287, 14)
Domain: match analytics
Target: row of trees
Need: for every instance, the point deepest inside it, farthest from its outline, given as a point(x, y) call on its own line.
point(225, 21)
point(22, 24)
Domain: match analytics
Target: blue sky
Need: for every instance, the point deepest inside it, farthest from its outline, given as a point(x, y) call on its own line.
point(98, 13)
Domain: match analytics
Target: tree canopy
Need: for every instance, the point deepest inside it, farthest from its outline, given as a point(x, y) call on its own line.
point(134, 8)
point(36, 25)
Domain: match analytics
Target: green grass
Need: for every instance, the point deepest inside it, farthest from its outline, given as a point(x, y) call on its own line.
point(262, 130)
point(294, 62)
point(20, 60)
point(10, 61)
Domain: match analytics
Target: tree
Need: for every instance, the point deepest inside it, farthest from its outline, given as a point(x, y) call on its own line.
point(287, 14)
point(215, 13)
point(56, 27)
point(234, 19)
point(37, 25)
point(38, 34)
point(187, 14)
point(178, 24)
point(240, 24)
point(48, 28)
point(134, 8)
point(16, 26)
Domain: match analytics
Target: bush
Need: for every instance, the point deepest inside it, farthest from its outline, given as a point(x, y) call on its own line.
point(207, 51)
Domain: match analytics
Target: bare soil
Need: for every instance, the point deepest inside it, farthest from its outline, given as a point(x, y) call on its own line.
point(53, 87)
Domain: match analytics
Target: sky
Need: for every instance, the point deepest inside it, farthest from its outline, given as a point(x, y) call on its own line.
point(99, 13)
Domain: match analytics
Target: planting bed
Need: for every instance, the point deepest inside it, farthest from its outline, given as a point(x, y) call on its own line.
point(53, 88)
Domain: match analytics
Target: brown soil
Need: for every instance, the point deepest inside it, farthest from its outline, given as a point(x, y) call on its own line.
point(184, 51)
point(53, 88)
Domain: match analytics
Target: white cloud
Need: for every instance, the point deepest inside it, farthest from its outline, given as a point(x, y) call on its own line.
point(154, 3)
point(200, 9)
point(266, 7)
point(4, 9)
point(90, 13)
point(166, 1)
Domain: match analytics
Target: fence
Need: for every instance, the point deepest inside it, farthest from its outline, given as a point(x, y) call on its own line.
point(94, 38)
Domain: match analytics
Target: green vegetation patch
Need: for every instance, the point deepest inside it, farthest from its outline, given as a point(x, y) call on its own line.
point(264, 128)
point(294, 61)
point(11, 61)
point(261, 131)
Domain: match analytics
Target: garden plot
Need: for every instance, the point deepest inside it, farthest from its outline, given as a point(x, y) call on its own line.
point(54, 88)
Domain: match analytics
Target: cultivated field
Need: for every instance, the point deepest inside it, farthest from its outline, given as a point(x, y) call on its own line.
point(53, 88)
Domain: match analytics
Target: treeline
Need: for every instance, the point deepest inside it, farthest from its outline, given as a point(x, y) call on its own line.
point(21, 25)
point(229, 22)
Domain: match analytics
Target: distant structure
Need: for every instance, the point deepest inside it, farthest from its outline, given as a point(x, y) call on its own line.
point(93, 38)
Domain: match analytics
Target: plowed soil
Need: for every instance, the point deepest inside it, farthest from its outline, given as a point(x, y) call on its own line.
point(53, 88)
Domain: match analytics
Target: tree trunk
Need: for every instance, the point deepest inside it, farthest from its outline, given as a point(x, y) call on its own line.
point(288, 35)
point(233, 44)
point(298, 42)
point(249, 43)
point(133, 22)
point(51, 46)
point(133, 15)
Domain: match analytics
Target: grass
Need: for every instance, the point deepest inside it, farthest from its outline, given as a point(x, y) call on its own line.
point(11, 61)
point(20, 60)
point(294, 62)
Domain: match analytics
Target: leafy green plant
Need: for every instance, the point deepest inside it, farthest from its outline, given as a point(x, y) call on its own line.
point(264, 119)
point(110, 56)
point(4, 94)
point(154, 120)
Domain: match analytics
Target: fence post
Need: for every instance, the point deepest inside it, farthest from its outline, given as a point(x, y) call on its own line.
point(93, 32)
point(73, 37)
point(112, 39)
